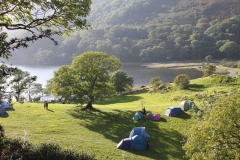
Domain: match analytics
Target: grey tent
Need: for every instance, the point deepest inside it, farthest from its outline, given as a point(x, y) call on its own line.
point(2, 110)
point(6, 105)
point(186, 105)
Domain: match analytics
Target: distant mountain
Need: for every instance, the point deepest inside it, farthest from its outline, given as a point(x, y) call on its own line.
point(147, 31)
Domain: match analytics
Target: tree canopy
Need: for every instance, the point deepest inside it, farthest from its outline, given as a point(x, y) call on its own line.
point(121, 81)
point(40, 19)
point(88, 76)
point(217, 135)
point(153, 31)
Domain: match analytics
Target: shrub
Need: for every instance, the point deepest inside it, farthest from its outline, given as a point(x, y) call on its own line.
point(156, 83)
point(182, 81)
point(208, 58)
point(210, 69)
point(22, 149)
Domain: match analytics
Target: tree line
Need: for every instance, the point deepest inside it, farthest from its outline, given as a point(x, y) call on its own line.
point(169, 31)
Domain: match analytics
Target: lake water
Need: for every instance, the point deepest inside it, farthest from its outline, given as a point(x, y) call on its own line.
point(140, 73)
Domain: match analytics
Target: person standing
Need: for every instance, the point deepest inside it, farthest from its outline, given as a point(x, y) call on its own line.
point(45, 105)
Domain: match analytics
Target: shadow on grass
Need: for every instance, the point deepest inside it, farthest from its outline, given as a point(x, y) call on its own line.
point(5, 115)
point(184, 116)
point(196, 87)
point(118, 124)
point(49, 110)
point(119, 99)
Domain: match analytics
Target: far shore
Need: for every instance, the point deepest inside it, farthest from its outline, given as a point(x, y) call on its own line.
point(194, 65)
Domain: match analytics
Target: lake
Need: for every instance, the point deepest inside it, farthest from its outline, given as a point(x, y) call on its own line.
point(140, 73)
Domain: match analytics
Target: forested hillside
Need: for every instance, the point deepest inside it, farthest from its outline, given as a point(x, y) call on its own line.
point(148, 31)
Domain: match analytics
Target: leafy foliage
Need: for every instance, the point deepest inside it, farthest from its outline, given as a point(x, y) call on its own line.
point(156, 83)
point(217, 135)
point(182, 81)
point(209, 70)
point(22, 149)
point(87, 76)
point(121, 81)
point(40, 20)
point(153, 31)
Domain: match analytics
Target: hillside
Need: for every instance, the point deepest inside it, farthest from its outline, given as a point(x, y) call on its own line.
point(154, 31)
point(101, 130)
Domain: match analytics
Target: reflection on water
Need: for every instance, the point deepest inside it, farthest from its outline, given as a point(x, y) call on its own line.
point(140, 73)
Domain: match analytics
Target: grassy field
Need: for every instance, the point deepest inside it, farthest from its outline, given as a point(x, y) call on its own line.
point(101, 130)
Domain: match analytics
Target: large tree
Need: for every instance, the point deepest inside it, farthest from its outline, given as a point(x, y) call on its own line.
point(41, 19)
point(88, 76)
point(65, 84)
point(217, 135)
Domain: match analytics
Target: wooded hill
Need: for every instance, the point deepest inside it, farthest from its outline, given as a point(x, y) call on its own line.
point(147, 31)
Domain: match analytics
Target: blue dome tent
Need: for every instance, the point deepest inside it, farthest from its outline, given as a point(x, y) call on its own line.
point(140, 131)
point(173, 111)
point(137, 140)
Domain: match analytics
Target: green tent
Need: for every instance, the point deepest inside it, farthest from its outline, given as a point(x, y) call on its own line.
point(186, 105)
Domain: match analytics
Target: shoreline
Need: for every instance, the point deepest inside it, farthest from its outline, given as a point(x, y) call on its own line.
point(194, 65)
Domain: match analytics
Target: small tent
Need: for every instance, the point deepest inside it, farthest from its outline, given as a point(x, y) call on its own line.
point(2, 110)
point(136, 143)
point(156, 117)
point(186, 105)
point(173, 111)
point(137, 116)
point(141, 131)
point(150, 116)
point(125, 143)
point(6, 105)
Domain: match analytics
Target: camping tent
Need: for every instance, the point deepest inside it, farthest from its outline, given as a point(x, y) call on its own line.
point(6, 105)
point(2, 109)
point(136, 143)
point(150, 116)
point(137, 116)
point(141, 131)
point(124, 143)
point(156, 117)
point(186, 105)
point(173, 111)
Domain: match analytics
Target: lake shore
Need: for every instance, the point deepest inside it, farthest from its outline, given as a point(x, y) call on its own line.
point(194, 65)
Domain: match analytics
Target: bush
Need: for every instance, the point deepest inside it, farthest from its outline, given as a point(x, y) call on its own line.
point(156, 83)
point(208, 58)
point(210, 69)
point(223, 80)
point(182, 81)
point(22, 149)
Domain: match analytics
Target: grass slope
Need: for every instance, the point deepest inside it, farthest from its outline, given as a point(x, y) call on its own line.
point(101, 130)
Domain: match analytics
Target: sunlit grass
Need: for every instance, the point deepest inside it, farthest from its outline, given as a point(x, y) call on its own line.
point(100, 130)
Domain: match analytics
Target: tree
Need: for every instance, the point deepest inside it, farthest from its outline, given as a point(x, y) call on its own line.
point(29, 84)
point(208, 58)
point(210, 69)
point(88, 76)
point(231, 48)
point(40, 19)
point(182, 81)
point(20, 81)
point(34, 91)
point(217, 136)
point(121, 81)
point(65, 84)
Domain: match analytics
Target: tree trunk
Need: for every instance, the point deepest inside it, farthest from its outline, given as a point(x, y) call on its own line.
point(89, 105)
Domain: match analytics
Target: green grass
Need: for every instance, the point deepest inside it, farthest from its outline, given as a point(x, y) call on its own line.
point(100, 131)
